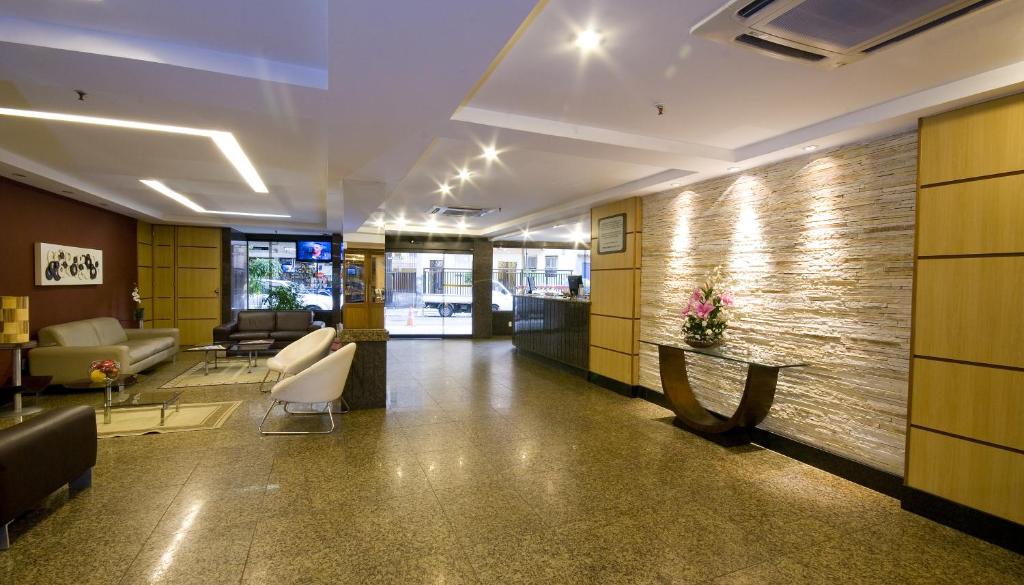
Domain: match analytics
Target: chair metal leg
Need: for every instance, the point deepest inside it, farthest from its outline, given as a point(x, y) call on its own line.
point(82, 481)
point(330, 414)
point(265, 376)
point(5, 537)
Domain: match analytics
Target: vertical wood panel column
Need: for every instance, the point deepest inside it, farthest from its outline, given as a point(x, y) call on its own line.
point(197, 282)
point(163, 276)
point(964, 442)
point(144, 276)
point(615, 296)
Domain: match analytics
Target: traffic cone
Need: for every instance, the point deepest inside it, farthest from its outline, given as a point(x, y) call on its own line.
point(408, 320)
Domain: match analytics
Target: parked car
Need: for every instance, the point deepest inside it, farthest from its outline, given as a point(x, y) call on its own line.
point(448, 305)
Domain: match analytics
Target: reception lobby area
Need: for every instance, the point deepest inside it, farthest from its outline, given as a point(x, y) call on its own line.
point(542, 292)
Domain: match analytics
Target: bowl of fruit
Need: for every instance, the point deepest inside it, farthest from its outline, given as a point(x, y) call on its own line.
point(104, 371)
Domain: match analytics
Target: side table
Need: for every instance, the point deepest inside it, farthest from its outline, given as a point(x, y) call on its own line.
point(16, 381)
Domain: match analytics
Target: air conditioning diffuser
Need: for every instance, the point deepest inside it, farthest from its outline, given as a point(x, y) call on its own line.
point(827, 33)
point(461, 211)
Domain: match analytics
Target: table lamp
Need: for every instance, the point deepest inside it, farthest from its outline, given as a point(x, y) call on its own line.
point(13, 319)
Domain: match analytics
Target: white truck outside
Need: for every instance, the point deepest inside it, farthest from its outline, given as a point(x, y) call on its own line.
point(448, 305)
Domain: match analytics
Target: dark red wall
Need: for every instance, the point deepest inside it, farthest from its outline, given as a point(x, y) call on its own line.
point(29, 215)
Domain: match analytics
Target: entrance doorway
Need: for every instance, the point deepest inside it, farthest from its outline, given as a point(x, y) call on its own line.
point(429, 294)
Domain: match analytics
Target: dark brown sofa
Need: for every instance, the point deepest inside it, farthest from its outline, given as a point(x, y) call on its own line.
point(283, 327)
point(40, 455)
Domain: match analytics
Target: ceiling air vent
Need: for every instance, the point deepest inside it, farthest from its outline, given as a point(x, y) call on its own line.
point(461, 211)
point(828, 33)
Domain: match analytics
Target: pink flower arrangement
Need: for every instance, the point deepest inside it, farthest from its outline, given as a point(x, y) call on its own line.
point(707, 311)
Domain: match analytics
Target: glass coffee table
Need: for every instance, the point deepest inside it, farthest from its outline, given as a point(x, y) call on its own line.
point(252, 349)
point(137, 399)
point(207, 350)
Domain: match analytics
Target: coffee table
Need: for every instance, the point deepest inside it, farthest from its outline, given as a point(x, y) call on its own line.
point(207, 350)
point(252, 348)
point(138, 399)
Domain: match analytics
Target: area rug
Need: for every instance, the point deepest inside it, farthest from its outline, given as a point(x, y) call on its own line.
point(231, 371)
point(199, 416)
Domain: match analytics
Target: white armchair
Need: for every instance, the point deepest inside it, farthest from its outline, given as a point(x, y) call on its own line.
point(300, 354)
point(324, 381)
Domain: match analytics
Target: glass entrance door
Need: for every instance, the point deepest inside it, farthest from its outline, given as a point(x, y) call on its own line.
point(429, 293)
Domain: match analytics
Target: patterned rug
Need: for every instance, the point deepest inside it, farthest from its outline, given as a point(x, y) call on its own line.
point(230, 371)
point(199, 416)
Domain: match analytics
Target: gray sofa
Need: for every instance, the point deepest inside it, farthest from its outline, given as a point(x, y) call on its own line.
point(65, 351)
point(283, 327)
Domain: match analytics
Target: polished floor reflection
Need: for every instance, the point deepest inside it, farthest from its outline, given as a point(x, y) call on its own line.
point(487, 467)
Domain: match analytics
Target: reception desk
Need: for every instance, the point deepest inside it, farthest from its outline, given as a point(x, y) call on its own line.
point(553, 327)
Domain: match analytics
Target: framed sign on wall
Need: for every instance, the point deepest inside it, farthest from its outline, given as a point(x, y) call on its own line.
point(60, 265)
point(611, 234)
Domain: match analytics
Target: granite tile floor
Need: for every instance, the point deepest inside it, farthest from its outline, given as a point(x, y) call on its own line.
point(487, 467)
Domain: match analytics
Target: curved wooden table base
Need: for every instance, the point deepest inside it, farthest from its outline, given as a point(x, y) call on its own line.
point(758, 394)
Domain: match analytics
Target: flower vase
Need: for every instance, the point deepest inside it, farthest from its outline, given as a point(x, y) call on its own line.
point(693, 341)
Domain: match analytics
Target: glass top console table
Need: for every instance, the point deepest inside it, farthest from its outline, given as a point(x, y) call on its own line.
point(763, 367)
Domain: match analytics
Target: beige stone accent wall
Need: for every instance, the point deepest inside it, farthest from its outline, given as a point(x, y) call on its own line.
point(820, 251)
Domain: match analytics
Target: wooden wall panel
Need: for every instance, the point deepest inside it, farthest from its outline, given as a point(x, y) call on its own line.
point(163, 309)
point(612, 333)
point(163, 256)
point(611, 364)
point(163, 235)
point(199, 308)
point(976, 217)
point(615, 292)
point(196, 331)
point(625, 259)
point(144, 254)
point(198, 257)
point(145, 281)
point(977, 402)
point(977, 141)
point(982, 477)
point(971, 309)
point(198, 237)
point(612, 293)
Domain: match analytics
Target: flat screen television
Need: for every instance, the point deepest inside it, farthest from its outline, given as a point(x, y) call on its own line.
point(313, 251)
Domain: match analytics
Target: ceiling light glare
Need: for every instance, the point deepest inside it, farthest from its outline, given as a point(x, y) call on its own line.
point(588, 40)
point(464, 175)
point(490, 153)
point(445, 189)
point(225, 141)
point(462, 225)
point(380, 222)
point(732, 169)
point(810, 147)
point(159, 187)
point(167, 191)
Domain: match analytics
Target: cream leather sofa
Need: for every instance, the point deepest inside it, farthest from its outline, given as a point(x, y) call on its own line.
point(65, 351)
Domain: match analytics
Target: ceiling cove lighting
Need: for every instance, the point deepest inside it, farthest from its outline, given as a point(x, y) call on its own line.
point(588, 40)
point(810, 147)
point(225, 141)
point(732, 169)
point(159, 187)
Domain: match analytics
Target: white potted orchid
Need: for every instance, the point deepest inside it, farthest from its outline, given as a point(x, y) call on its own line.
point(140, 311)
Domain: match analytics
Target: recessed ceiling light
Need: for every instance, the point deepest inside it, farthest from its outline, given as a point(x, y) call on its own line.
point(225, 141)
point(400, 222)
point(464, 174)
point(462, 225)
point(490, 153)
point(526, 234)
point(732, 169)
point(588, 40)
point(811, 147)
point(380, 222)
point(159, 187)
point(675, 185)
point(445, 189)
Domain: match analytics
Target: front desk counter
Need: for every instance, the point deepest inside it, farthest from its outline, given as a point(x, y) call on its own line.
point(557, 328)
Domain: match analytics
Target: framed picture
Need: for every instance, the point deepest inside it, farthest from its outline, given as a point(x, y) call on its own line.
point(611, 234)
point(60, 265)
